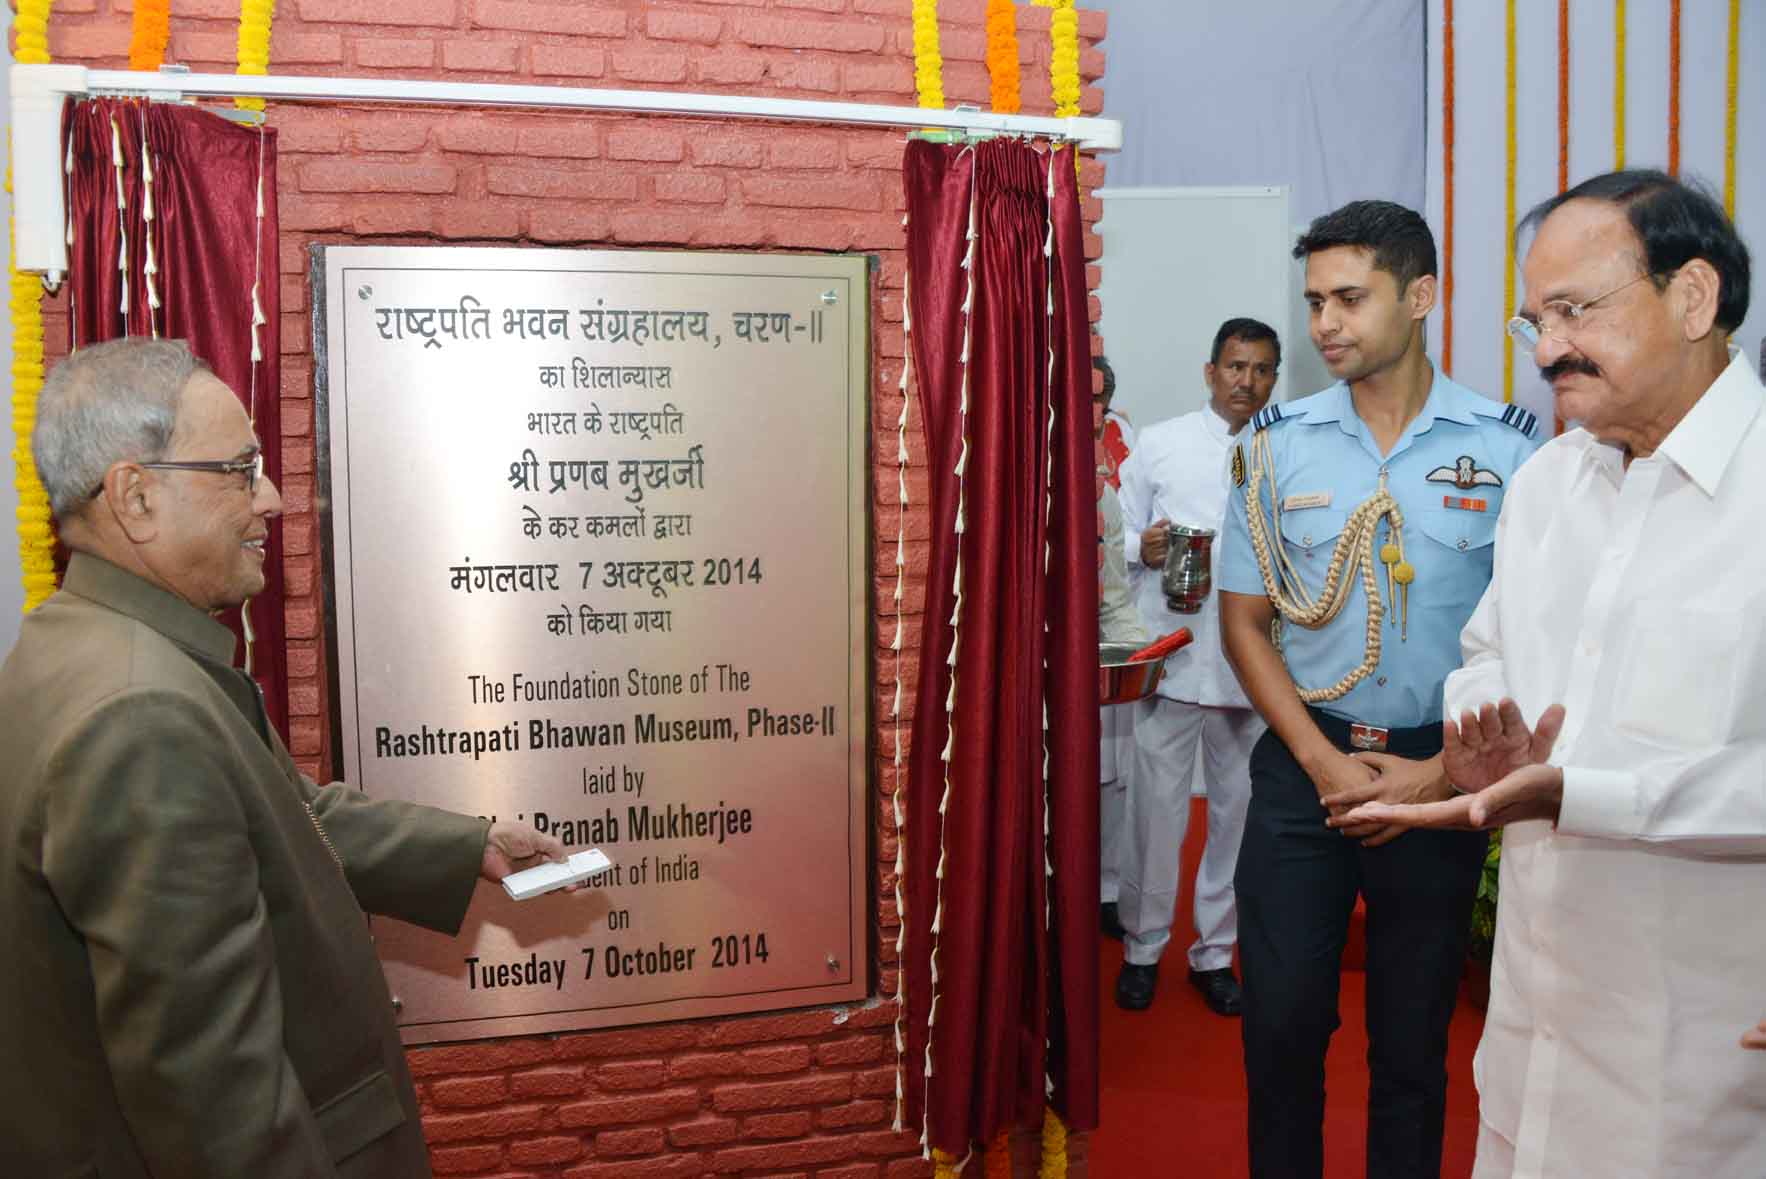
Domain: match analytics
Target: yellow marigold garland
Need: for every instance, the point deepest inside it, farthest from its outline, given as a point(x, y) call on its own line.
point(36, 534)
point(928, 65)
point(946, 1165)
point(149, 32)
point(254, 44)
point(1002, 57)
point(1064, 59)
point(1054, 1146)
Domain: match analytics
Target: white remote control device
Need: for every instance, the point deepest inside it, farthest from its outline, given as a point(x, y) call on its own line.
point(531, 882)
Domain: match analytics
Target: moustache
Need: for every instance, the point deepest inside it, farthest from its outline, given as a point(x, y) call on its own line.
point(1568, 365)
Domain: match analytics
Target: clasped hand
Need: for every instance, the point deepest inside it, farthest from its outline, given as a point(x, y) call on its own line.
point(1499, 765)
point(1347, 782)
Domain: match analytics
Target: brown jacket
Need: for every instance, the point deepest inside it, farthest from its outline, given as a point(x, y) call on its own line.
point(191, 987)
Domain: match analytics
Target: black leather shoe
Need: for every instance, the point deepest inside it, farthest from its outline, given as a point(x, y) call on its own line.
point(1220, 990)
point(1110, 921)
point(1134, 986)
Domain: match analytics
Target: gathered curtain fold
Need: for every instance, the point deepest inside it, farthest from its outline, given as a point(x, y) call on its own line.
point(1001, 825)
point(208, 247)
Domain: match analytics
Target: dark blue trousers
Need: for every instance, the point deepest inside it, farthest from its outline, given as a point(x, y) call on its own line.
point(1296, 884)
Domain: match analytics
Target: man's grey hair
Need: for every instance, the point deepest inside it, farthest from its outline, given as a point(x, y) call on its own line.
point(105, 404)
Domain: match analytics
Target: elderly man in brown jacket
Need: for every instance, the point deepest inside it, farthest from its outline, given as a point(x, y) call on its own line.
point(191, 989)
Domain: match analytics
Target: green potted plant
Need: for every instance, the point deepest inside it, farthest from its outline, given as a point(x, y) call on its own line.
point(1483, 943)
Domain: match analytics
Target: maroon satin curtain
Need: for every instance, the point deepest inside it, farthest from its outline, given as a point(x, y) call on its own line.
point(207, 244)
point(1015, 1002)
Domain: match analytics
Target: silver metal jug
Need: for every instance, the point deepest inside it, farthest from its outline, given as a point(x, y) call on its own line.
point(1189, 574)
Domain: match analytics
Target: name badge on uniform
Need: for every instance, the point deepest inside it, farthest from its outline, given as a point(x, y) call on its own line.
point(1313, 499)
point(1465, 505)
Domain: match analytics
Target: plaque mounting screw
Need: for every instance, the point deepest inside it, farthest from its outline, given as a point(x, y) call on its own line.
point(830, 298)
point(398, 1004)
point(833, 964)
point(364, 293)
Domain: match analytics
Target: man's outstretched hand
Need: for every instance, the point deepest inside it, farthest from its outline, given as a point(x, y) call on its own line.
point(1531, 792)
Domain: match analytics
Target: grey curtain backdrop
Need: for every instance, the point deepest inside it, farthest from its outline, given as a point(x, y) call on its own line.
point(1324, 96)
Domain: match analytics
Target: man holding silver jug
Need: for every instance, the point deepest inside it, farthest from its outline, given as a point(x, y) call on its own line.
point(1174, 489)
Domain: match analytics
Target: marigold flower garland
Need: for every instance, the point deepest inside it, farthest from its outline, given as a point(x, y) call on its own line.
point(928, 65)
point(1064, 59)
point(254, 44)
point(36, 534)
point(149, 32)
point(1002, 57)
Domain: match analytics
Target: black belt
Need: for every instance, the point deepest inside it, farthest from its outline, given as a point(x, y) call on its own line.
point(1349, 736)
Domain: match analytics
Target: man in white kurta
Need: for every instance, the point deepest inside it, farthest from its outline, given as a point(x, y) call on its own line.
point(1177, 474)
point(1628, 606)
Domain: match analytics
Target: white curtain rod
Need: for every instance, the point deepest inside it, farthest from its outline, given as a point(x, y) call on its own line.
point(39, 90)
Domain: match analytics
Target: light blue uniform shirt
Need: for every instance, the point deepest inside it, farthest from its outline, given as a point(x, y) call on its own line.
point(1448, 472)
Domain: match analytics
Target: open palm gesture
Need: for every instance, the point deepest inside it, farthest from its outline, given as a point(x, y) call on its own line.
point(1488, 745)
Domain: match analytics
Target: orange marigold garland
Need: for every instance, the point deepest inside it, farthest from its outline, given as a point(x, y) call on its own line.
point(148, 34)
point(1002, 57)
point(36, 532)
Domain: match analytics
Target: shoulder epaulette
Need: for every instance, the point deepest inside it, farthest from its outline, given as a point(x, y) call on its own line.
point(1266, 417)
point(1520, 419)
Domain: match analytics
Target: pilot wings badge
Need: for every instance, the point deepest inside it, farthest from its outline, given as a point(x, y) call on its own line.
point(1465, 474)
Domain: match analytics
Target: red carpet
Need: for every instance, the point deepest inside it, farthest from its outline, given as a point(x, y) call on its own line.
point(1174, 1081)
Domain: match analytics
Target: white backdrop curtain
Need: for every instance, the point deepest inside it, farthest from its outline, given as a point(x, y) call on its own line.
point(1325, 97)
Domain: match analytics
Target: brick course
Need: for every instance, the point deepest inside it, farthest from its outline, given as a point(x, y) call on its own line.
point(803, 1093)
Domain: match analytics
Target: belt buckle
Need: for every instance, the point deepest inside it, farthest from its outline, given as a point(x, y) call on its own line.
point(1369, 737)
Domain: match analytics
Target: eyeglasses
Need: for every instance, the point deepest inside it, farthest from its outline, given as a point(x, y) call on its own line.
point(252, 467)
point(1560, 317)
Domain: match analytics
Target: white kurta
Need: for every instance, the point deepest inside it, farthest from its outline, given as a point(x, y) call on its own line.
point(1631, 939)
point(1178, 471)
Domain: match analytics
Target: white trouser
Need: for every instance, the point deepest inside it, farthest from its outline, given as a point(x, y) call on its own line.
point(1158, 815)
point(1115, 760)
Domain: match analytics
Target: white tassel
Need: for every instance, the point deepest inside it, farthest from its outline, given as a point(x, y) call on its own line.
point(902, 480)
point(895, 644)
point(901, 550)
point(945, 756)
point(962, 458)
point(896, 711)
point(959, 527)
point(257, 320)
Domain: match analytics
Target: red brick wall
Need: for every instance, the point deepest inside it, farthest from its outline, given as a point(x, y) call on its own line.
point(796, 1094)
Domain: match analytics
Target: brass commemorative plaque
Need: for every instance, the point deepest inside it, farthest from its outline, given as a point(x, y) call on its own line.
point(595, 529)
